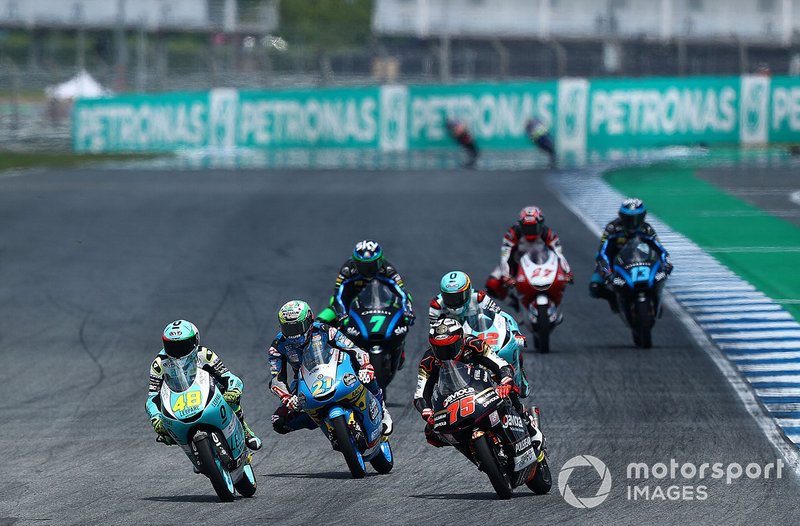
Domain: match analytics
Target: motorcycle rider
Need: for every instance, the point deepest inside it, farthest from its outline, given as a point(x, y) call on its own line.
point(539, 135)
point(181, 345)
point(459, 132)
point(458, 299)
point(630, 221)
point(448, 342)
point(298, 329)
point(356, 273)
point(529, 229)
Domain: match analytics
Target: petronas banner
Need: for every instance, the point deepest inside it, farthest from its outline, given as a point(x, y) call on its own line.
point(584, 115)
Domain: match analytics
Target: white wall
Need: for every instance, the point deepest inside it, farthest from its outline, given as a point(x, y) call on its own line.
point(729, 19)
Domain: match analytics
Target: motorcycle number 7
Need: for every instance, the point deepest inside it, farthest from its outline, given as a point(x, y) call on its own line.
point(467, 406)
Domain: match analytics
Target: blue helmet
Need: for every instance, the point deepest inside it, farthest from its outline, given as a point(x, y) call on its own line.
point(180, 339)
point(368, 256)
point(456, 289)
point(632, 213)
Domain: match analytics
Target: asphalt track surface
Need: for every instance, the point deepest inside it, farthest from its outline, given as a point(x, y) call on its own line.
point(94, 263)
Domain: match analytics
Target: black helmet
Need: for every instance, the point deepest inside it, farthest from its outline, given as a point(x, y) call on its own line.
point(446, 338)
point(368, 257)
point(180, 338)
point(632, 213)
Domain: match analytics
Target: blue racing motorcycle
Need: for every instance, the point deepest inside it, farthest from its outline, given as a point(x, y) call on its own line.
point(501, 332)
point(330, 392)
point(199, 419)
point(638, 277)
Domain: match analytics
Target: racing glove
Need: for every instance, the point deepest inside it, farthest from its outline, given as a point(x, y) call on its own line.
point(504, 389)
point(232, 396)
point(366, 374)
point(427, 415)
point(341, 318)
point(508, 281)
point(291, 402)
point(158, 425)
point(410, 316)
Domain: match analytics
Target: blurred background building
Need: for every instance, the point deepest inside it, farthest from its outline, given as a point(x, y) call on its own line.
point(158, 45)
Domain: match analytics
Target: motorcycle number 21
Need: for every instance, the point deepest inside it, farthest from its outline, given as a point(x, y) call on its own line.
point(321, 385)
point(467, 406)
point(189, 399)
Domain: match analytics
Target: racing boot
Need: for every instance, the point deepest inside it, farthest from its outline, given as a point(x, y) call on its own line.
point(524, 386)
point(250, 438)
point(533, 424)
point(388, 425)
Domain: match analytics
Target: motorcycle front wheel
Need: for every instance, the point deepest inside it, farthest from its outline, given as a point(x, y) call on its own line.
point(542, 329)
point(489, 464)
point(353, 458)
point(213, 469)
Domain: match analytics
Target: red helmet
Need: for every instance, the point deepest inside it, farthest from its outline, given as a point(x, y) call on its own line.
point(531, 222)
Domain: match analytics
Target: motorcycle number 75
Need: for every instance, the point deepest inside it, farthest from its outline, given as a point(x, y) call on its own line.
point(467, 406)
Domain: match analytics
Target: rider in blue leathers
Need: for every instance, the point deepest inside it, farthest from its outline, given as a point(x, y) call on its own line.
point(298, 329)
point(630, 222)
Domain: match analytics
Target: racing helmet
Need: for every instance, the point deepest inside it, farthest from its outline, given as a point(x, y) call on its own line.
point(368, 257)
point(446, 337)
point(632, 213)
point(180, 339)
point(531, 222)
point(456, 290)
point(295, 319)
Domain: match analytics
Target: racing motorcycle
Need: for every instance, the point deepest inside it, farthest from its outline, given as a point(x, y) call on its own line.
point(501, 332)
point(330, 392)
point(199, 419)
point(638, 277)
point(540, 283)
point(470, 415)
point(377, 324)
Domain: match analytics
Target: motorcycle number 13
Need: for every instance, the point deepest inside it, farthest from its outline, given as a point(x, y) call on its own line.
point(185, 400)
point(467, 406)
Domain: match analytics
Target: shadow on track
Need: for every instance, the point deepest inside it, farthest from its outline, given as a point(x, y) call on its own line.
point(465, 496)
point(183, 498)
point(332, 475)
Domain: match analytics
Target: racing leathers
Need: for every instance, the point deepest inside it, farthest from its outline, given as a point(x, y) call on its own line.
point(612, 240)
point(284, 355)
point(514, 246)
point(207, 360)
point(477, 303)
point(474, 352)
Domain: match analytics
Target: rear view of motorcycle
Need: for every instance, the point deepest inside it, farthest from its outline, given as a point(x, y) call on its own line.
point(486, 429)
point(540, 284)
point(638, 277)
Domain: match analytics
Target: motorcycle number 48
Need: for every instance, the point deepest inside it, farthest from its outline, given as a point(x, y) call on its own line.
point(466, 405)
point(185, 400)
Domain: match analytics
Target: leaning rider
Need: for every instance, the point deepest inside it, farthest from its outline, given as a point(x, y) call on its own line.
point(448, 342)
point(298, 329)
point(630, 222)
point(181, 341)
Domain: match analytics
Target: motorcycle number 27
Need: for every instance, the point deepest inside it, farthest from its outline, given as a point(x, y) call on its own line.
point(188, 399)
point(467, 406)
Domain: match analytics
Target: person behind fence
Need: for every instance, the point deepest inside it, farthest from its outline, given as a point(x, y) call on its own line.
point(458, 131)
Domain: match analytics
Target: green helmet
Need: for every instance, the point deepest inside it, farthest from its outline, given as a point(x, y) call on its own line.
point(180, 338)
point(295, 319)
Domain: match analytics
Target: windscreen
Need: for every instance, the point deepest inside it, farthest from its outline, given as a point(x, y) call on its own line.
point(539, 253)
point(453, 376)
point(179, 373)
point(375, 295)
point(317, 354)
point(481, 322)
point(637, 250)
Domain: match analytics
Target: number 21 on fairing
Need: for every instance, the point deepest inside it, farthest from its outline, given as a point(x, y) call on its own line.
point(320, 386)
point(189, 399)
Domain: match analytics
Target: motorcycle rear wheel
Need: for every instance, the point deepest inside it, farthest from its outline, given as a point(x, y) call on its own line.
point(348, 450)
point(488, 463)
point(213, 469)
point(542, 481)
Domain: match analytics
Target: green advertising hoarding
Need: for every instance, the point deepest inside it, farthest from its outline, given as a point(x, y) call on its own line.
point(584, 115)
